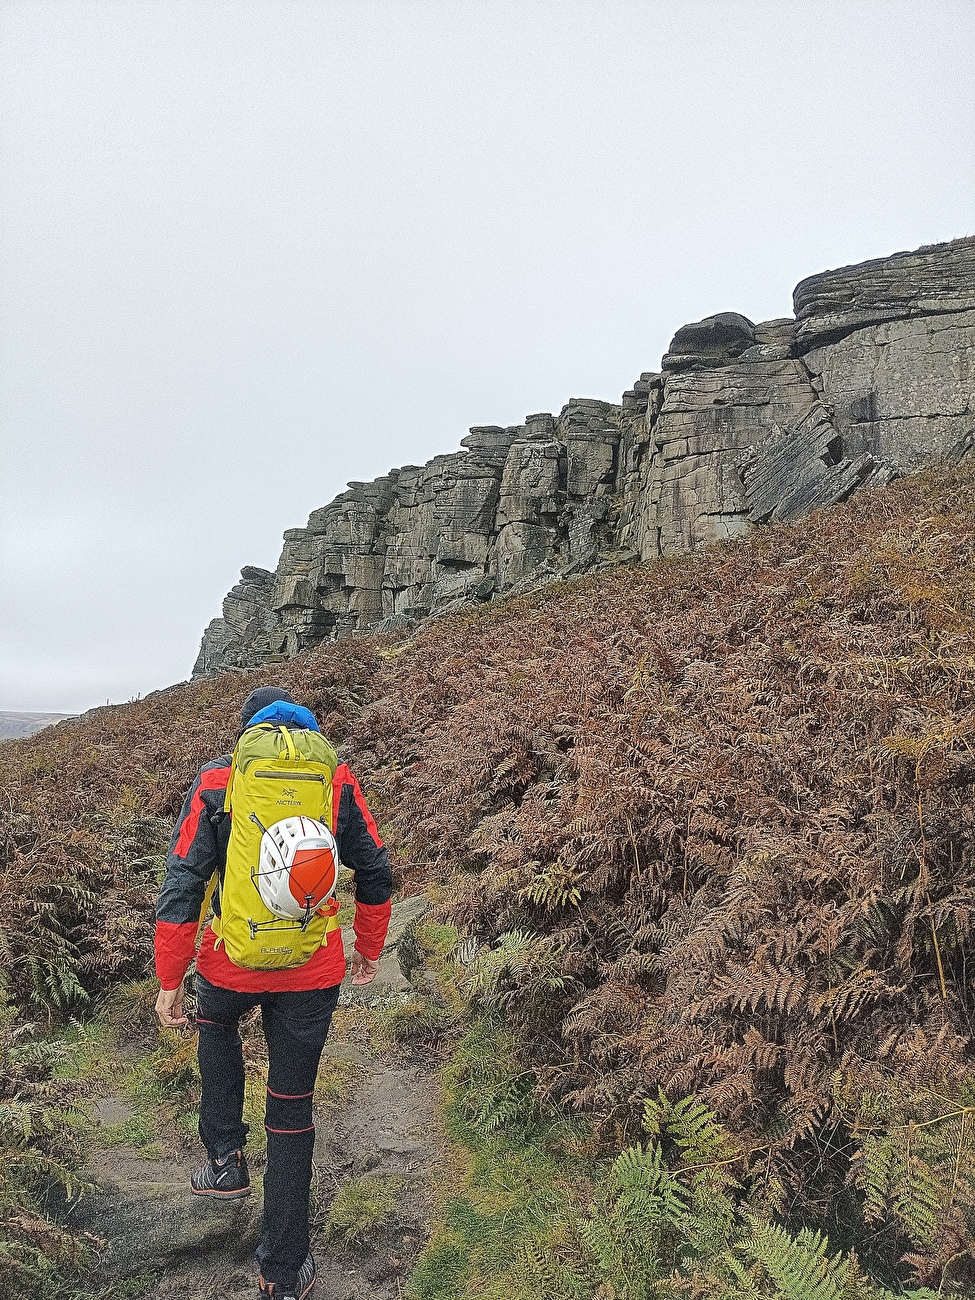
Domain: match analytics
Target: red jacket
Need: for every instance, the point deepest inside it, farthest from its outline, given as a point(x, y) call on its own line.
point(199, 847)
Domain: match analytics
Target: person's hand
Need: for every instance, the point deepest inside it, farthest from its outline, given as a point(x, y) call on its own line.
point(169, 1008)
point(363, 970)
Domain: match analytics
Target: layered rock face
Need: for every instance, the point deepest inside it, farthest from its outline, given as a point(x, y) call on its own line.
point(743, 425)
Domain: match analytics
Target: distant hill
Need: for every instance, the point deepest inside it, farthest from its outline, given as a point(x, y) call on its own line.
point(15, 725)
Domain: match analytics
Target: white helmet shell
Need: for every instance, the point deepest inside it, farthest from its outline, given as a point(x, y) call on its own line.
point(298, 869)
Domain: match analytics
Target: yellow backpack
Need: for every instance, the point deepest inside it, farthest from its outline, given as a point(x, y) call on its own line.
point(275, 773)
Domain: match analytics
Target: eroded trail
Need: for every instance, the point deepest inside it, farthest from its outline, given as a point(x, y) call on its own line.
point(378, 1148)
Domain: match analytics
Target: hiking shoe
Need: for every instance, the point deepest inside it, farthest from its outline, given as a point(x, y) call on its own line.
point(301, 1289)
point(225, 1179)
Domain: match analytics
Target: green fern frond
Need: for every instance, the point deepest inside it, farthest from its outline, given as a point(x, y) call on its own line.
point(550, 1276)
point(799, 1266)
point(692, 1127)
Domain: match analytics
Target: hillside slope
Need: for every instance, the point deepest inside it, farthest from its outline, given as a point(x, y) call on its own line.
point(714, 813)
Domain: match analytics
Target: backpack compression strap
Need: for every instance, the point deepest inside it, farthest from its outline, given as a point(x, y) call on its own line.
point(289, 742)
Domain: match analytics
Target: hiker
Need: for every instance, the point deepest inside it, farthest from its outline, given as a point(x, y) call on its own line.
point(272, 943)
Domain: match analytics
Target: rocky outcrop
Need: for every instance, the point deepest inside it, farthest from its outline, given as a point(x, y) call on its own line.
point(934, 281)
point(745, 424)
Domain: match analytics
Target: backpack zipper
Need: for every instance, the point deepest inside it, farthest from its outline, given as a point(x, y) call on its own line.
point(292, 776)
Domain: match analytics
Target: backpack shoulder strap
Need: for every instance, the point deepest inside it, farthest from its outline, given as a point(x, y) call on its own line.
point(207, 900)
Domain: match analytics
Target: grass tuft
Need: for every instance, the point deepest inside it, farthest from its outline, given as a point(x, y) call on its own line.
point(362, 1206)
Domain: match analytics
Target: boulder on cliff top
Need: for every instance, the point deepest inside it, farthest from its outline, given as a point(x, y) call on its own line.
point(714, 341)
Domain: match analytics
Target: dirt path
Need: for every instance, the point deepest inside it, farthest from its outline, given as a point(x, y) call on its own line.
point(385, 1131)
point(389, 1129)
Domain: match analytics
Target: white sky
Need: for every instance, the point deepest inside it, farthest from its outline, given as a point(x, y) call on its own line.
point(255, 248)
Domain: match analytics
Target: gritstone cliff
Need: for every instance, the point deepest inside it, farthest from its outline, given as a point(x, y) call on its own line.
point(744, 424)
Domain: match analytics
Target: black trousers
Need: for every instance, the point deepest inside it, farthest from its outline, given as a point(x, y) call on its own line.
point(295, 1026)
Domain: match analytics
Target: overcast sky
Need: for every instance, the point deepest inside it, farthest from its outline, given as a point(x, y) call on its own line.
point(255, 248)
